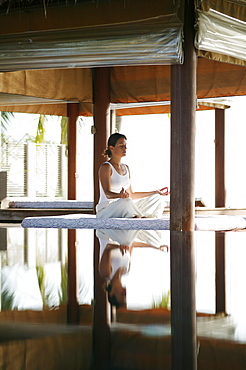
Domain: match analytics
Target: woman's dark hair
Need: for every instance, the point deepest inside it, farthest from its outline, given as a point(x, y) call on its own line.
point(112, 140)
point(112, 299)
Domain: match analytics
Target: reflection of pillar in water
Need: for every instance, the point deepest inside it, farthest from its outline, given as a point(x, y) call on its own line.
point(0, 281)
point(183, 306)
point(72, 305)
point(101, 318)
point(3, 247)
point(220, 277)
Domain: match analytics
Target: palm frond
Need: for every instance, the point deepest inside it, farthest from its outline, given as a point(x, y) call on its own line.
point(41, 129)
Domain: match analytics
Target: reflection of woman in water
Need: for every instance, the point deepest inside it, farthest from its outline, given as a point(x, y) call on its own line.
point(116, 196)
point(115, 257)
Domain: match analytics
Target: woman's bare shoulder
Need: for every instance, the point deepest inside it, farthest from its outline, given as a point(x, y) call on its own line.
point(105, 168)
point(128, 169)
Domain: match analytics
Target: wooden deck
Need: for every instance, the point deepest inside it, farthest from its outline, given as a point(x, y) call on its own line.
point(16, 215)
point(220, 211)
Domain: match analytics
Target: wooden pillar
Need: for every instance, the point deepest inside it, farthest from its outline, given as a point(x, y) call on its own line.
point(72, 113)
point(220, 194)
point(101, 114)
point(182, 202)
point(72, 304)
point(101, 312)
point(183, 118)
point(220, 201)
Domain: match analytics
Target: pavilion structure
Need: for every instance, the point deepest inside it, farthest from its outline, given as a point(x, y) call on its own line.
point(84, 57)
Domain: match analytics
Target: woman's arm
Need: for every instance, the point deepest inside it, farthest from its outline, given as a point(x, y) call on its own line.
point(163, 247)
point(104, 177)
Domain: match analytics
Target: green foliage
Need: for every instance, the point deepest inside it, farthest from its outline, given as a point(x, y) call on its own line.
point(7, 301)
point(40, 275)
point(63, 294)
point(64, 125)
point(41, 282)
point(5, 118)
point(41, 129)
point(164, 302)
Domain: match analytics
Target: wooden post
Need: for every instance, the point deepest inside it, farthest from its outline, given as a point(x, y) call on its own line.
point(182, 202)
point(183, 119)
point(72, 304)
point(220, 201)
point(220, 193)
point(101, 114)
point(101, 312)
point(72, 113)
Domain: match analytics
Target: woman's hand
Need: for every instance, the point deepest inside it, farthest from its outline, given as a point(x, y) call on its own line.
point(123, 249)
point(124, 193)
point(163, 191)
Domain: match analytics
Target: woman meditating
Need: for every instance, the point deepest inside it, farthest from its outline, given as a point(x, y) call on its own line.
point(116, 196)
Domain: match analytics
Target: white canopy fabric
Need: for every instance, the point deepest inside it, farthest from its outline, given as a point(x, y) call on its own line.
point(156, 40)
point(221, 31)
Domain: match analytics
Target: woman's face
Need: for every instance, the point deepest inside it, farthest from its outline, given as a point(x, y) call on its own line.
point(119, 149)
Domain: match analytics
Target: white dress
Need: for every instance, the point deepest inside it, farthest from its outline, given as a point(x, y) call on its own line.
point(152, 238)
point(151, 206)
point(118, 237)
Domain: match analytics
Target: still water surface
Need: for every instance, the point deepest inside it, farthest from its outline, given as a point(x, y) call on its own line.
point(33, 266)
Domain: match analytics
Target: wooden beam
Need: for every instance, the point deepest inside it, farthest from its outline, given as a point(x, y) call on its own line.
point(83, 14)
point(72, 113)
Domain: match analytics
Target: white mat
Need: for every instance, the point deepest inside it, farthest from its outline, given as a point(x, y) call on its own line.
point(47, 204)
point(202, 223)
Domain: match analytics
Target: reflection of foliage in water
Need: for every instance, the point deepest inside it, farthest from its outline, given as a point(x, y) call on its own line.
point(40, 275)
point(62, 292)
point(7, 301)
point(164, 302)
